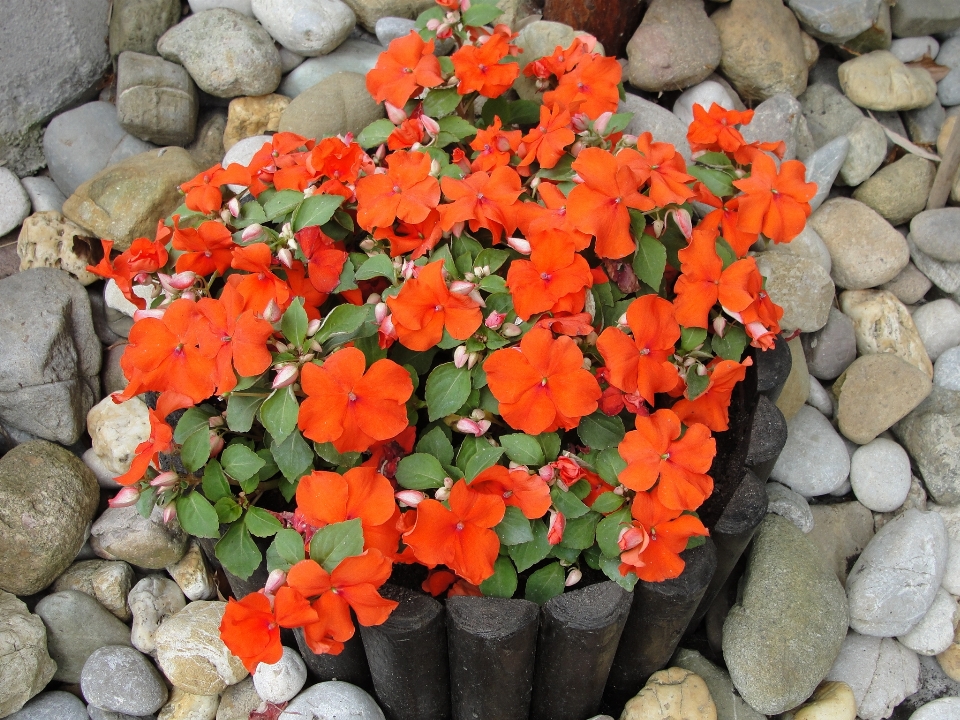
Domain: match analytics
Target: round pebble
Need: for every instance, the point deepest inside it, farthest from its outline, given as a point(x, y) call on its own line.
point(934, 633)
point(880, 475)
point(820, 398)
point(55, 705)
point(14, 201)
point(281, 681)
point(790, 505)
point(911, 49)
point(121, 679)
point(704, 94)
point(938, 323)
point(814, 460)
point(947, 708)
point(946, 371)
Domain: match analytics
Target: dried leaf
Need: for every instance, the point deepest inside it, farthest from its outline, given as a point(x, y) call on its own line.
point(937, 72)
point(900, 140)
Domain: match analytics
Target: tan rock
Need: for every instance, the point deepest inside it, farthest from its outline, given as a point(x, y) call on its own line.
point(27, 666)
point(337, 104)
point(833, 700)
point(116, 430)
point(945, 130)
point(108, 581)
point(48, 239)
point(875, 392)
point(191, 653)
point(811, 51)
point(840, 533)
point(883, 324)
point(238, 701)
point(672, 694)
point(187, 706)
point(124, 201)
point(949, 659)
point(369, 11)
point(800, 286)
point(192, 574)
point(879, 81)
point(249, 116)
point(796, 389)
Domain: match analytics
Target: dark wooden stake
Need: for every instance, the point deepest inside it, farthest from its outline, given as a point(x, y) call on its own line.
point(612, 22)
point(947, 171)
point(349, 666)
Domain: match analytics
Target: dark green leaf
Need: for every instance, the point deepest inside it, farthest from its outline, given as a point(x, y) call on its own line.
point(609, 465)
point(376, 133)
point(569, 504)
point(282, 203)
point(550, 442)
point(481, 14)
point(227, 510)
point(514, 528)
point(196, 451)
point(197, 516)
point(717, 181)
point(695, 541)
point(692, 338)
point(237, 551)
point(285, 551)
point(607, 502)
point(293, 456)
point(731, 345)
point(261, 523)
point(563, 170)
point(215, 485)
point(545, 583)
point(241, 410)
point(608, 531)
point(347, 281)
point(378, 265)
point(617, 123)
point(329, 453)
point(146, 501)
point(341, 321)
point(193, 420)
point(440, 103)
point(269, 468)
point(611, 568)
point(484, 457)
point(524, 112)
point(580, 532)
point(503, 582)
point(493, 284)
point(598, 431)
point(492, 258)
point(315, 210)
point(420, 471)
point(523, 449)
point(456, 126)
point(436, 443)
point(650, 260)
point(250, 212)
point(696, 383)
point(336, 541)
point(240, 462)
point(293, 325)
point(279, 413)
point(448, 387)
point(528, 554)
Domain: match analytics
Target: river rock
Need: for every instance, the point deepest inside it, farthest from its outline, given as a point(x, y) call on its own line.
point(824, 165)
point(820, 398)
point(389, 29)
point(931, 434)
point(934, 633)
point(187, 706)
point(875, 392)
point(369, 11)
point(151, 601)
point(883, 325)
point(207, 146)
point(116, 430)
point(729, 705)
point(124, 201)
point(895, 581)
point(788, 504)
point(249, 116)
point(52, 705)
point(676, 46)
point(830, 350)
point(44, 193)
point(156, 99)
point(238, 701)
point(945, 275)
point(945, 708)
point(27, 666)
point(864, 248)
point(910, 285)
point(808, 244)
point(911, 49)
point(15, 201)
point(81, 142)
point(241, 6)
point(336, 105)
point(136, 25)
point(835, 22)
point(704, 94)
point(45, 519)
point(879, 81)
point(841, 532)
point(48, 239)
point(923, 124)
point(124, 534)
point(106, 580)
point(868, 145)
point(662, 124)
point(948, 89)
point(192, 574)
point(899, 191)
point(924, 17)
point(120, 679)
point(776, 118)
point(282, 680)
point(762, 49)
point(352, 56)
point(227, 54)
point(54, 54)
point(191, 653)
point(938, 324)
point(308, 27)
point(831, 701)
point(935, 233)
point(672, 693)
point(782, 637)
point(880, 475)
point(802, 288)
point(330, 699)
point(76, 626)
point(946, 370)
point(814, 461)
point(880, 671)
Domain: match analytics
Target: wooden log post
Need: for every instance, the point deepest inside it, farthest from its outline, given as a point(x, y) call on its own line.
point(350, 665)
point(767, 438)
point(612, 22)
point(773, 367)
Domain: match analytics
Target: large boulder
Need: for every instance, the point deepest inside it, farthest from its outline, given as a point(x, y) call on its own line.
point(27, 666)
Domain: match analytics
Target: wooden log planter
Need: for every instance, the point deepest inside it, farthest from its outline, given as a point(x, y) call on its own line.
point(583, 652)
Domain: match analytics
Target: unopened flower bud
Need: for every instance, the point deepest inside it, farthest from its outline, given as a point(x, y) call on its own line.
point(460, 356)
point(313, 326)
point(719, 325)
point(462, 287)
point(315, 346)
point(618, 490)
point(156, 314)
point(478, 414)
point(271, 313)
point(251, 232)
point(511, 330)
point(682, 218)
point(408, 269)
point(701, 370)
point(125, 498)
point(587, 363)
point(433, 24)
point(622, 320)
point(546, 473)
point(234, 207)
point(368, 244)
point(410, 498)
point(216, 443)
point(442, 494)
point(169, 513)
point(275, 580)
point(281, 347)
point(464, 5)
point(658, 227)
point(600, 124)
point(381, 311)
point(521, 245)
point(285, 257)
point(215, 422)
point(287, 375)
point(579, 122)
point(494, 320)
point(558, 524)
point(573, 577)
point(472, 360)
point(576, 148)
point(629, 139)
point(432, 127)
point(165, 480)
point(380, 154)
point(396, 114)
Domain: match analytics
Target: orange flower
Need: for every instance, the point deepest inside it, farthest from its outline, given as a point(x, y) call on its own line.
point(420, 238)
point(546, 142)
point(460, 537)
point(541, 385)
point(591, 88)
point(517, 487)
point(403, 70)
point(160, 440)
point(259, 286)
point(208, 249)
point(494, 146)
point(338, 161)
point(714, 129)
point(352, 586)
point(663, 168)
point(425, 306)
point(776, 204)
point(712, 406)
point(406, 191)
point(748, 302)
point(485, 200)
point(250, 630)
point(325, 258)
point(656, 452)
point(639, 365)
point(480, 69)
point(599, 205)
point(534, 219)
point(143, 256)
point(302, 287)
point(203, 191)
point(406, 134)
point(652, 546)
point(352, 408)
point(560, 62)
point(554, 271)
point(728, 216)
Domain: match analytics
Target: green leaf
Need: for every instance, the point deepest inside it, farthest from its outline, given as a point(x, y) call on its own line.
point(420, 471)
point(731, 345)
point(617, 123)
point(336, 541)
point(609, 465)
point(695, 541)
point(493, 284)
point(611, 568)
point(484, 457)
point(282, 203)
point(481, 14)
point(696, 383)
point(448, 387)
point(227, 510)
point(343, 320)
point(240, 462)
point(492, 258)
point(315, 210)
point(727, 254)
point(193, 420)
point(599, 431)
point(378, 265)
point(279, 413)
point(241, 410)
point(608, 531)
point(692, 338)
point(524, 112)
point(717, 181)
point(528, 554)
point(250, 212)
point(440, 103)
point(545, 583)
point(347, 281)
point(285, 551)
point(293, 325)
point(607, 502)
point(456, 126)
point(293, 456)
point(523, 449)
point(269, 468)
point(714, 159)
point(376, 133)
point(195, 451)
point(566, 502)
point(563, 170)
point(215, 485)
point(437, 444)
point(550, 442)
point(197, 516)
point(503, 582)
point(581, 532)
point(261, 523)
point(329, 453)
point(514, 528)
point(146, 502)
point(237, 551)
point(650, 260)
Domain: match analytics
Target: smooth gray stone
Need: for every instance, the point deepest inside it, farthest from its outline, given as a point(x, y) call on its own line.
point(307, 27)
point(824, 165)
point(333, 699)
point(830, 350)
point(124, 534)
point(835, 21)
point(814, 461)
point(121, 679)
point(776, 118)
point(947, 708)
point(930, 433)
point(658, 121)
point(96, 713)
point(391, 28)
point(880, 671)
point(352, 56)
point(946, 370)
point(788, 504)
point(14, 201)
point(52, 705)
point(156, 100)
point(44, 193)
point(924, 17)
point(937, 233)
point(923, 125)
point(948, 89)
point(945, 275)
point(911, 49)
point(137, 24)
point(704, 94)
point(825, 72)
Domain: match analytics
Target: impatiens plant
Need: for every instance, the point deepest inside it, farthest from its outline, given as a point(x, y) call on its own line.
point(485, 336)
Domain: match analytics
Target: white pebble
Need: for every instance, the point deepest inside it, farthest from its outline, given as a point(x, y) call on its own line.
point(282, 680)
point(946, 371)
point(934, 633)
point(911, 49)
point(704, 94)
point(938, 324)
point(14, 201)
point(880, 475)
point(820, 398)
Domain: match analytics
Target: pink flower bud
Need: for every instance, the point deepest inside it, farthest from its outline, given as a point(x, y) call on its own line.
point(396, 115)
point(287, 375)
point(408, 269)
point(558, 524)
point(285, 257)
point(442, 494)
point(521, 245)
point(215, 422)
point(275, 580)
point(462, 287)
point(576, 148)
point(234, 207)
point(546, 473)
point(464, 5)
point(510, 330)
point(579, 122)
point(251, 232)
point(313, 326)
point(368, 244)
point(430, 125)
point(380, 154)
point(632, 537)
point(216, 444)
point(573, 577)
point(682, 218)
point(477, 297)
point(381, 311)
point(478, 414)
point(410, 498)
point(472, 360)
point(600, 124)
point(460, 356)
point(433, 24)
point(494, 320)
point(156, 314)
point(165, 480)
point(188, 295)
point(125, 498)
point(169, 513)
point(271, 313)
point(629, 139)
point(471, 427)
